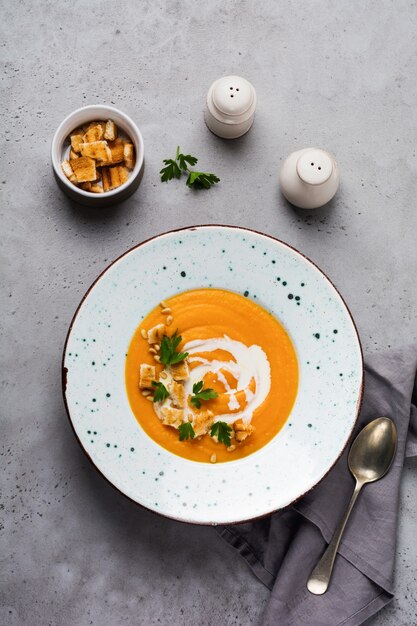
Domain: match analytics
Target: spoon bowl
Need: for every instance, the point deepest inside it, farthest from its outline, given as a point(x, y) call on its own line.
point(373, 450)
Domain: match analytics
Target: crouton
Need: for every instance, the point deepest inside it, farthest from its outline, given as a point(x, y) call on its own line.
point(76, 141)
point(67, 169)
point(129, 155)
point(240, 426)
point(94, 132)
point(179, 371)
point(96, 188)
point(177, 394)
point(105, 158)
point(73, 155)
point(105, 175)
point(202, 422)
point(118, 175)
point(117, 151)
point(86, 186)
point(241, 436)
point(156, 333)
point(96, 150)
point(110, 131)
point(146, 376)
point(171, 417)
point(84, 169)
point(243, 431)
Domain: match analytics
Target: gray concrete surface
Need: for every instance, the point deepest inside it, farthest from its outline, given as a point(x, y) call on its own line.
point(336, 75)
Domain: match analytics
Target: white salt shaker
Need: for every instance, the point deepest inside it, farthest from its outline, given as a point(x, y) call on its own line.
point(309, 178)
point(230, 109)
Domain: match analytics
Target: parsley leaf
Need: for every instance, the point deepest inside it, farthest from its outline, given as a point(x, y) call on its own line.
point(168, 353)
point(186, 431)
point(170, 171)
point(186, 159)
point(161, 392)
point(222, 431)
point(174, 168)
point(197, 387)
point(201, 394)
point(201, 180)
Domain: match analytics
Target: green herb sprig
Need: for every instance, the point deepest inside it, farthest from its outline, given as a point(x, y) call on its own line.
point(186, 431)
point(201, 394)
point(223, 432)
point(168, 354)
point(201, 180)
point(174, 168)
point(161, 392)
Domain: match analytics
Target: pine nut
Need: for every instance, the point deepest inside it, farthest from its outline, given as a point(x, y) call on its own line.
point(150, 398)
point(146, 392)
point(157, 358)
point(163, 304)
point(213, 458)
point(169, 320)
point(231, 448)
point(157, 347)
point(163, 375)
point(166, 311)
point(144, 333)
point(152, 350)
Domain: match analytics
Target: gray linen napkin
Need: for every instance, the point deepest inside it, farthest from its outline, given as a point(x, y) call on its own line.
point(282, 549)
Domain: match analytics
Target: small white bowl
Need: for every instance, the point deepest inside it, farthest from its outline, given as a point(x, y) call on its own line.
point(92, 113)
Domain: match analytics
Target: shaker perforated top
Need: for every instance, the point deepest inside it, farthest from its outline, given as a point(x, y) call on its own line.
point(314, 166)
point(233, 95)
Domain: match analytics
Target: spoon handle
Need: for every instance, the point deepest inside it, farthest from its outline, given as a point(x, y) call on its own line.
point(320, 576)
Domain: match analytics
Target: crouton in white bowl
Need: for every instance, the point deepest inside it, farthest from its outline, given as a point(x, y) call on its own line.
point(98, 155)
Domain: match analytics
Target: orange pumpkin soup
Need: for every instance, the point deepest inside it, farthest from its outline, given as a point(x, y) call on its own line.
point(211, 376)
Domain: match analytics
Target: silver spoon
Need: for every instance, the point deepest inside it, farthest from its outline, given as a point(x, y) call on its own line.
point(370, 458)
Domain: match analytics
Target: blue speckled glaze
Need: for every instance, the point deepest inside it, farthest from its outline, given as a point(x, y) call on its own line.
point(279, 279)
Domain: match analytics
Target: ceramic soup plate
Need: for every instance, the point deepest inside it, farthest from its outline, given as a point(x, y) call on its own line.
point(282, 281)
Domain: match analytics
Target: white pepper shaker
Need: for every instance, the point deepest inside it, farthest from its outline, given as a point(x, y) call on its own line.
point(230, 108)
point(309, 178)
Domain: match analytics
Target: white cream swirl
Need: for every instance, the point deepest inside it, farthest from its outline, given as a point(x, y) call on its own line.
point(249, 362)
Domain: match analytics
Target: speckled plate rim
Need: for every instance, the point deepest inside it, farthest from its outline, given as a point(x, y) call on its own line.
point(193, 228)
